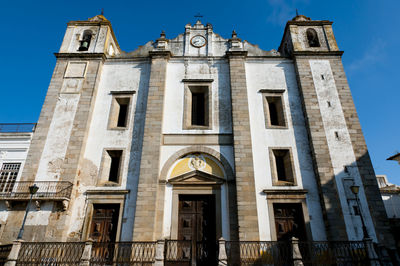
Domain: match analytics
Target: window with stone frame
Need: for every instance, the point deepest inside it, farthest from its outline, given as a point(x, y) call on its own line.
point(197, 114)
point(282, 167)
point(8, 176)
point(274, 109)
point(111, 167)
point(120, 111)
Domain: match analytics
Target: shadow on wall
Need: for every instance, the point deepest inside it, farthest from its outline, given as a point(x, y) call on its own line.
point(135, 154)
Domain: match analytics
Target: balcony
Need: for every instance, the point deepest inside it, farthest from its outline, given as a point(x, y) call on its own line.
point(17, 127)
point(48, 191)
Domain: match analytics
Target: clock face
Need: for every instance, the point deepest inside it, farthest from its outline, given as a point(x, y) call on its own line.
point(198, 41)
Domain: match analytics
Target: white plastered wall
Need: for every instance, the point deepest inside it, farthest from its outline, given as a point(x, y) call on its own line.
point(340, 148)
point(280, 74)
point(129, 76)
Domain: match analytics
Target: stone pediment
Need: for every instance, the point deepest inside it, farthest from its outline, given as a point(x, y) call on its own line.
point(196, 177)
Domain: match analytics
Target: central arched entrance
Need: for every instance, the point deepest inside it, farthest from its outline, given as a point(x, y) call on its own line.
point(199, 211)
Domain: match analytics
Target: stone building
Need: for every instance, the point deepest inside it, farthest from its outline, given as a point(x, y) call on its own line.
point(199, 137)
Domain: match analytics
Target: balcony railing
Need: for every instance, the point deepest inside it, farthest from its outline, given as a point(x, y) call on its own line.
point(55, 190)
point(17, 127)
point(181, 252)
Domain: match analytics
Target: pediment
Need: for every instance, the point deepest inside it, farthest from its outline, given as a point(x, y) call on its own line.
point(196, 177)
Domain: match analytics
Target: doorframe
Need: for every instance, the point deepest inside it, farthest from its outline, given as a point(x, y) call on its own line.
point(287, 196)
point(103, 197)
point(195, 190)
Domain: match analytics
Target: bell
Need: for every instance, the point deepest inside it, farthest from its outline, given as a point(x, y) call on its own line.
point(84, 46)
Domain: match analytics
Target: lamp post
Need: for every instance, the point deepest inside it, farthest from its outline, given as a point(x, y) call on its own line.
point(32, 190)
point(355, 189)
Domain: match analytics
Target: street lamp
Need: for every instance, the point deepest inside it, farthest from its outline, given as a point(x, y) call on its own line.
point(32, 190)
point(355, 189)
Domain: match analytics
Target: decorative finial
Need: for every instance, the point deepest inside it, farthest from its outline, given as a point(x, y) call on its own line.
point(102, 11)
point(297, 12)
point(234, 34)
point(162, 35)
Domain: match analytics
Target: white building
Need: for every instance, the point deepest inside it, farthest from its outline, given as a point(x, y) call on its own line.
point(198, 137)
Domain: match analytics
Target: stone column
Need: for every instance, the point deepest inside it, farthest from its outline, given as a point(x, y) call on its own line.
point(146, 213)
point(245, 185)
point(13, 256)
point(87, 253)
point(222, 258)
point(160, 246)
point(329, 197)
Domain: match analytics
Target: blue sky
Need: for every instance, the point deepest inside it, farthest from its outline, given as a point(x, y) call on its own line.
point(367, 31)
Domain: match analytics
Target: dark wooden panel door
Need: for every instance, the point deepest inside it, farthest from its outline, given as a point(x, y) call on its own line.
point(196, 222)
point(289, 221)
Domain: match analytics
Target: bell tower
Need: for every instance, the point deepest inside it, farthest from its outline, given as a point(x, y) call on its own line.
point(339, 152)
point(92, 36)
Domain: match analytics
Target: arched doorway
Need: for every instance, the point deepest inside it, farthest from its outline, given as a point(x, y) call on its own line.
point(196, 185)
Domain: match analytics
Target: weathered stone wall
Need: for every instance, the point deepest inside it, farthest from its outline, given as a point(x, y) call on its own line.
point(330, 204)
point(245, 186)
point(365, 168)
point(147, 196)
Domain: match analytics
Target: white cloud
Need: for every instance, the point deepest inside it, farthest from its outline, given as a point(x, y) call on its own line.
point(284, 10)
point(372, 55)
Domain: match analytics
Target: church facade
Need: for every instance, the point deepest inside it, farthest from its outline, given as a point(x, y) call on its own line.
point(197, 138)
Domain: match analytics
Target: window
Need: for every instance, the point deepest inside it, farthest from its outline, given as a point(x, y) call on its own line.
point(119, 112)
point(197, 105)
point(312, 38)
point(111, 166)
point(274, 109)
point(282, 170)
point(86, 38)
point(8, 176)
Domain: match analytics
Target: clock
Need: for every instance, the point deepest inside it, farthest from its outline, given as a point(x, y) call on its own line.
point(198, 41)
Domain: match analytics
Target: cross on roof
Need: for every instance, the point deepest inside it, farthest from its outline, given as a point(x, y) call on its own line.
point(198, 16)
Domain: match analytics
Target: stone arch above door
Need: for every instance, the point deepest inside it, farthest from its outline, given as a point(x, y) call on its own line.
point(212, 157)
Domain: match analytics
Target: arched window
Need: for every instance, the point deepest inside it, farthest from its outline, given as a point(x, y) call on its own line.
point(86, 38)
point(312, 38)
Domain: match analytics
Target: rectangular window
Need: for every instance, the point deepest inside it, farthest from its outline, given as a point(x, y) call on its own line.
point(198, 109)
point(111, 167)
point(282, 169)
point(120, 109)
point(274, 111)
point(8, 176)
point(197, 104)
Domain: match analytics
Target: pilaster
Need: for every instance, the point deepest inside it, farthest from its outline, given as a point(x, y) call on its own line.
point(146, 210)
point(323, 168)
point(245, 185)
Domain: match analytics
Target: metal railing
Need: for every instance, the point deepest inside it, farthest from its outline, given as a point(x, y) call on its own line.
point(123, 253)
point(4, 251)
point(17, 127)
point(178, 251)
point(47, 190)
point(258, 252)
point(334, 253)
point(50, 253)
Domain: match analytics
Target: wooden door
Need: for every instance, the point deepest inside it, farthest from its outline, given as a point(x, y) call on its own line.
point(104, 229)
point(197, 225)
point(289, 221)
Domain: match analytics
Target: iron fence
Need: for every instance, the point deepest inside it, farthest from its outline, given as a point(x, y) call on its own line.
point(17, 127)
point(4, 251)
point(50, 253)
point(47, 189)
point(334, 253)
point(178, 252)
point(259, 253)
point(123, 253)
